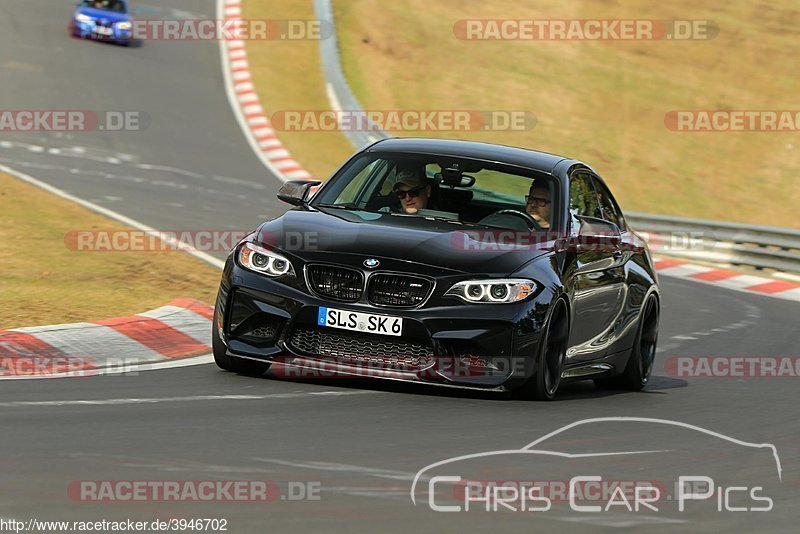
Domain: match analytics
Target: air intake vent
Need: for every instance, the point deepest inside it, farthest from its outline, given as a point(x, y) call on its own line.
point(358, 348)
point(338, 283)
point(398, 290)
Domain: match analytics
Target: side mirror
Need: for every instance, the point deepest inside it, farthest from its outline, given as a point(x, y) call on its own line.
point(597, 235)
point(295, 192)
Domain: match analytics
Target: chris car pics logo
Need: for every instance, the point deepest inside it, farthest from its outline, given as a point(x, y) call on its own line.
point(451, 485)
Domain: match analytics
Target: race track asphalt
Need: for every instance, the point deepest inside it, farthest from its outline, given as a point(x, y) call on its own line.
point(361, 442)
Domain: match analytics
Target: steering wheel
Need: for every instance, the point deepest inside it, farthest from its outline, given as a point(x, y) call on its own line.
point(529, 221)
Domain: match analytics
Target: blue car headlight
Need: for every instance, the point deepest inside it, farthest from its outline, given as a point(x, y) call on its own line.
point(83, 19)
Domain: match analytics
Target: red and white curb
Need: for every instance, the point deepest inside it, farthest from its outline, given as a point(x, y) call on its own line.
point(179, 330)
point(759, 285)
point(247, 107)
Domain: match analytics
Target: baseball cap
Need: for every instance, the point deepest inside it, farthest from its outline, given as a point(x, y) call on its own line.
point(409, 178)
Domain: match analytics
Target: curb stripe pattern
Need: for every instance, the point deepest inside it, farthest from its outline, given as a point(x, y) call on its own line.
point(23, 343)
point(729, 279)
point(79, 340)
point(196, 306)
point(157, 336)
point(181, 329)
point(259, 126)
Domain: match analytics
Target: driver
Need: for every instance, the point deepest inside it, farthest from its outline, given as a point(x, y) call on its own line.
point(538, 203)
point(413, 191)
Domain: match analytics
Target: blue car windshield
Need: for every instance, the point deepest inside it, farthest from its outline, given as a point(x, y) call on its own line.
point(117, 6)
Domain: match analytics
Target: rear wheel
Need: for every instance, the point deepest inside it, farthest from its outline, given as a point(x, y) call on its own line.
point(640, 363)
point(550, 364)
point(235, 365)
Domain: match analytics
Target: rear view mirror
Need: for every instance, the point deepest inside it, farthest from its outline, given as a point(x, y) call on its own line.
point(295, 192)
point(454, 179)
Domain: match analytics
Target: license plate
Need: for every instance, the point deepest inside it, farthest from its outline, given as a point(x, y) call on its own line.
point(360, 322)
point(103, 31)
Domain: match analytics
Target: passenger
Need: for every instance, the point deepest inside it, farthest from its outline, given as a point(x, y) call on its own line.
point(538, 203)
point(413, 191)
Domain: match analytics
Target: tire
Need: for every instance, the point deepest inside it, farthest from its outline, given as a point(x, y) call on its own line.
point(234, 365)
point(544, 383)
point(640, 363)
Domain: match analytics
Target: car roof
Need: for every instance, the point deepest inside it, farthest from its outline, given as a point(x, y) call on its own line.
point(521, 157)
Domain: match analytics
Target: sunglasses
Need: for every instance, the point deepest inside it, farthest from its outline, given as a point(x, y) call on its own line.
point(536, 201)
point(412, 193)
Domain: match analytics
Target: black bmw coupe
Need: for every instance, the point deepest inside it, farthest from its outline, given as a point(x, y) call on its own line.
point(448, 262)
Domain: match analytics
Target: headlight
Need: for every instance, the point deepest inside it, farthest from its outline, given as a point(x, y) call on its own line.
point(125, 26)
point(80, 17)
point(263, 261)
point(497, 291)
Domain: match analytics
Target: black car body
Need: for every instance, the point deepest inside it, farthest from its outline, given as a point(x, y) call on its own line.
point(577, 300)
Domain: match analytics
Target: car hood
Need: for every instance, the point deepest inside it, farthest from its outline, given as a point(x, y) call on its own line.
point(312, 235)
point(102, 14)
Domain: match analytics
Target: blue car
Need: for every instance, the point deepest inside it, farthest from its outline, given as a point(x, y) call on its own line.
point(104, 20)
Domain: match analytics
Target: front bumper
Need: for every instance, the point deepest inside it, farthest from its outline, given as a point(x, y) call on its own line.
point(452, 343)
point(88, 30)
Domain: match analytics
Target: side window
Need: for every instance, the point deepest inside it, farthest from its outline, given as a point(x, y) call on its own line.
point(582, 197)
point(387, 186)
point(608, 206)
point(353, 191)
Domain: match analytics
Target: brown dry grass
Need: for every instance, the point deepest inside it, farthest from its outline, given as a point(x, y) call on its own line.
point(604, 102)
point(42, 281)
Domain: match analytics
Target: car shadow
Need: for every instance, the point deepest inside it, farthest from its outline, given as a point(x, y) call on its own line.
point(567, 391)
point(587, 390)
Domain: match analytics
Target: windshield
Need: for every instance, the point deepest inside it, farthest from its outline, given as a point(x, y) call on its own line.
point(118, 6)
point(443, 187)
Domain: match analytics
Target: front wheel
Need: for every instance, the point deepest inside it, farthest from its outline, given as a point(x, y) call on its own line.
point(640, 363)
point(552, 354)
